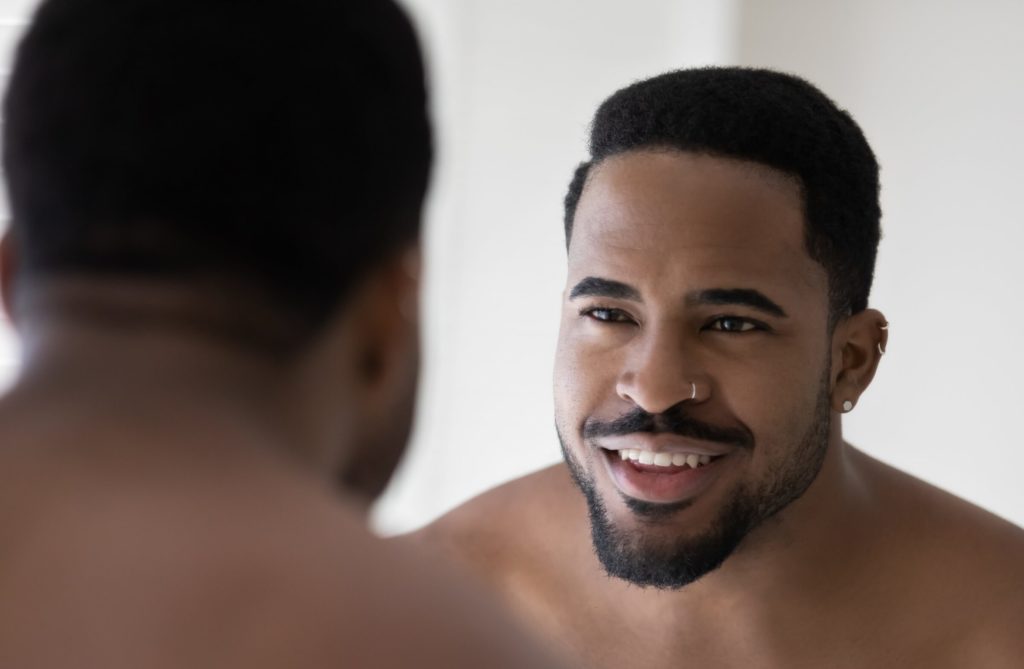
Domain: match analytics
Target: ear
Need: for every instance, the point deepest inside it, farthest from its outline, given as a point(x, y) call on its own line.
point(8, 271)
point(858, 344)
point(385, 318)
point(385, 338)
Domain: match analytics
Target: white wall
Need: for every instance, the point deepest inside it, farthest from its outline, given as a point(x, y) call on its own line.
point(937, 87)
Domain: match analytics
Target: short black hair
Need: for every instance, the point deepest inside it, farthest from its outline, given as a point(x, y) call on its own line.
point(282, 147)
point(768, 117)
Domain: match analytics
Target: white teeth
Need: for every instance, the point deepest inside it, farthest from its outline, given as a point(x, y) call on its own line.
point(692, 460)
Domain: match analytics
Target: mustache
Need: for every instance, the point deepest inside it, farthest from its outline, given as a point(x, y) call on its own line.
point(672, 421)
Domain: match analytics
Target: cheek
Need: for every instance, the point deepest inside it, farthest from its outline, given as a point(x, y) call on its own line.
point(778, 406)
point(566, 384)
point(582, 379)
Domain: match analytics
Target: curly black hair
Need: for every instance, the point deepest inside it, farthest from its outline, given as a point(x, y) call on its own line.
point(283, 148)
point(768, 117)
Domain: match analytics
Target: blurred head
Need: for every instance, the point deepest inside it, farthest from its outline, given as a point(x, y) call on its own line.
point(721, 244)
point(272, 157)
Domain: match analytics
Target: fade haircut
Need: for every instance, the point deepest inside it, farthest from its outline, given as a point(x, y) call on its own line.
point(767, 117)
point(280, 147)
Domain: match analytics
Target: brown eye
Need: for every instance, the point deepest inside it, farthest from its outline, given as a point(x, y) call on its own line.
point(606, 315)
point(733, 324)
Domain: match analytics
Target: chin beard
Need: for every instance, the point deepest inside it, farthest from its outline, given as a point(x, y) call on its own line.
point(671, 563)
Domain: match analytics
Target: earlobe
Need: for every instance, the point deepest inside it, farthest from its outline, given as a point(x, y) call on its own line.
point(858, 346)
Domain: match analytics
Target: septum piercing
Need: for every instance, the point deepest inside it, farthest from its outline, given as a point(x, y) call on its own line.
point(847, 406)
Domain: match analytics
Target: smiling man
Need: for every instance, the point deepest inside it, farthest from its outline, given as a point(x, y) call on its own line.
point(715, 328)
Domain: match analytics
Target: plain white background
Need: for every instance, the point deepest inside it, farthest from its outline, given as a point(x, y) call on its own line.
point(936, 86)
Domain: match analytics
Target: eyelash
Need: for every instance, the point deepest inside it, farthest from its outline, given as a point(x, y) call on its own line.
point(590, 312)
point(621, 317)
point(754, 326)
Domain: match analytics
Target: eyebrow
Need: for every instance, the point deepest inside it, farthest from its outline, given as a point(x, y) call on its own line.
point(594, 286)
point(747, 297)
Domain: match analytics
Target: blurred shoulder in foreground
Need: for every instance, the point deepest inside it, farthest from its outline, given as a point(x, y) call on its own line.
point(117, 558)
point(213, 270)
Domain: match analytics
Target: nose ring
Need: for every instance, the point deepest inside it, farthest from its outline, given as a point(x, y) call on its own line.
point(693, 391)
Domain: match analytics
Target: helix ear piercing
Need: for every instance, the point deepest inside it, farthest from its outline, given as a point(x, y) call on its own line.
point(847, 406)
point(883, 326)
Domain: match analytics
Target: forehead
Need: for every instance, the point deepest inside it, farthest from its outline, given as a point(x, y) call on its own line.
point(666, 217)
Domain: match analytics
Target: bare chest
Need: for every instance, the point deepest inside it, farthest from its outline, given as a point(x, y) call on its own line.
point(608, 632)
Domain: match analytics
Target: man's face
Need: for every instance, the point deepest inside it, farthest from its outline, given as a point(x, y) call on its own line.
point(689, 278)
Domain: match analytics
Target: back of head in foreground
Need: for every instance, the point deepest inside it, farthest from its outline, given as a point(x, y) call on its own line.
point(715, 328)
point(212, 266)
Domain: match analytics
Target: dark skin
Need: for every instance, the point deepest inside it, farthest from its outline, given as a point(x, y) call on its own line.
point(169, 495)
point(868, 568)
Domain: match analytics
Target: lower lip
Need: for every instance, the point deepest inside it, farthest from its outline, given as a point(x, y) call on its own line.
point(662, 485)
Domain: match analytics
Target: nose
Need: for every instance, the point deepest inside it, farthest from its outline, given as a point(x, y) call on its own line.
point(659, 375)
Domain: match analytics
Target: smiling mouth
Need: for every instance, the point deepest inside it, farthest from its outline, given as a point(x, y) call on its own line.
point(661, 476)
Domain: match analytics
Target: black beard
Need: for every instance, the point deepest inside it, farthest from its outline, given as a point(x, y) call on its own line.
point(673, 564)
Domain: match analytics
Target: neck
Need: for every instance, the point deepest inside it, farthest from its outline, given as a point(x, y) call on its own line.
point(151, 362)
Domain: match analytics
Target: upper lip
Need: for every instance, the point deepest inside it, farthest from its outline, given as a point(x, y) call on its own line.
point(664, 443)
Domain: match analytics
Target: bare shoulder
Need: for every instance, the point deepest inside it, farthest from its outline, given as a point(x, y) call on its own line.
point(959, 531)
point(528, 542)
point(264, 575)
point(541, 511)
point(964, 564)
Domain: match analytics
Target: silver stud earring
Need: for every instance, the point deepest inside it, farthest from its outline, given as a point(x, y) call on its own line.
point(847, 406)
